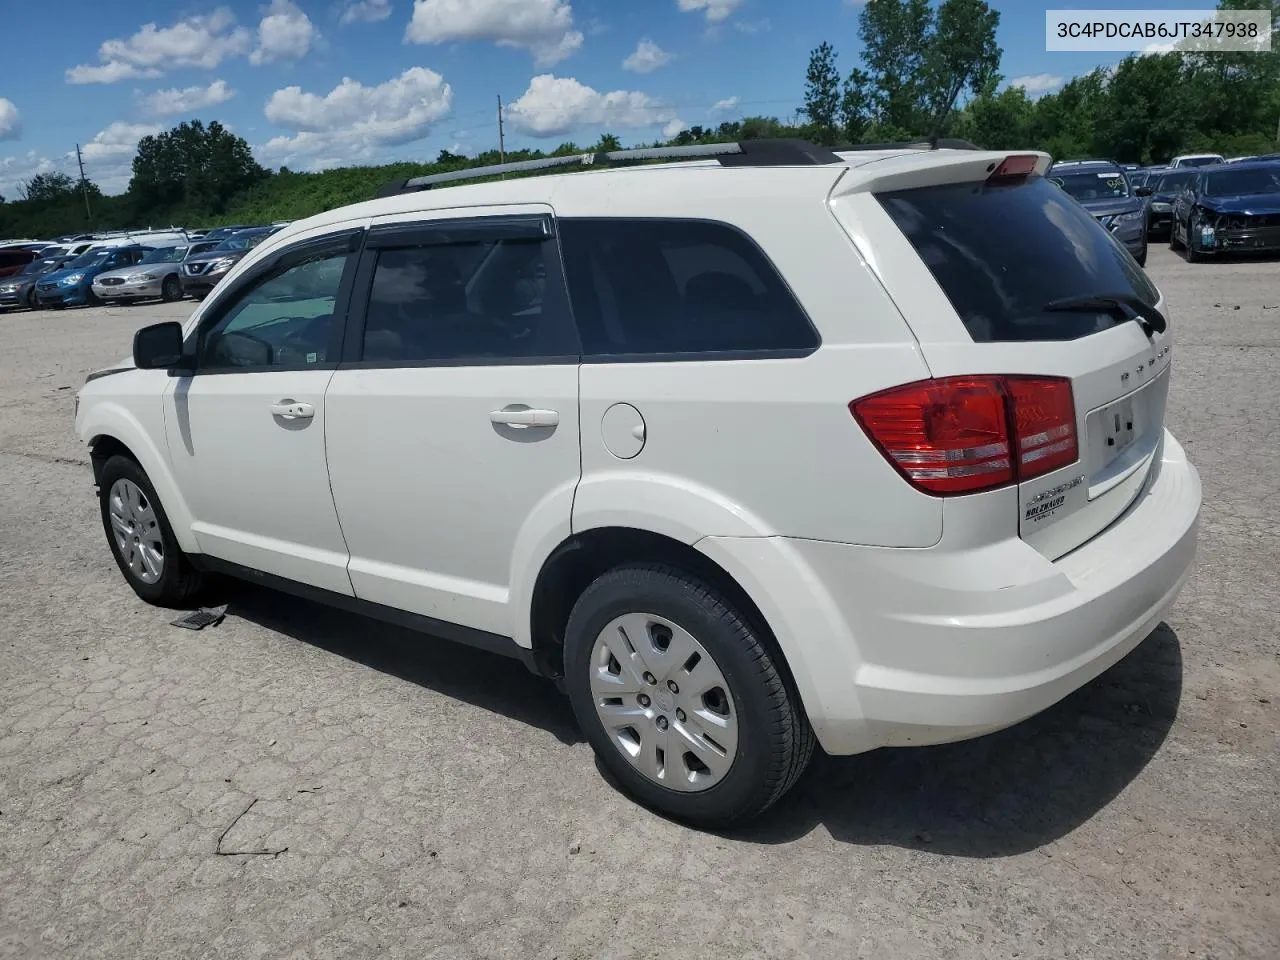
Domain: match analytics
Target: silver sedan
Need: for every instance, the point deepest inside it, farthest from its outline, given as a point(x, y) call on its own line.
point(155, 276)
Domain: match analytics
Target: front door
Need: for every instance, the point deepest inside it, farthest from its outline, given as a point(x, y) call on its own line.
point(453, 431)
point(246, 432)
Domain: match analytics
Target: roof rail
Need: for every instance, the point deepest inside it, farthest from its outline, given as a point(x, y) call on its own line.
point(943, 144)
point(746, 153)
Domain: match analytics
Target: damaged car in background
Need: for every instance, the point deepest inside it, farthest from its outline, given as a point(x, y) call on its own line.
point(1228, 208)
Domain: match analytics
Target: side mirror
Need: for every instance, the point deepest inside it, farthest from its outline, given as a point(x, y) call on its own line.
point(1142, 192)
point(158, 347)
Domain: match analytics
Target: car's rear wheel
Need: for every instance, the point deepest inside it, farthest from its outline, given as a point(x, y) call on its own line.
point(681, 698)
point(141, 537)
point(171, 288)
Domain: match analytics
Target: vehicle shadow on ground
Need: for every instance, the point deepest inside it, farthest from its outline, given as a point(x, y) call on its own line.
point(1003, 794)
point(487, 680)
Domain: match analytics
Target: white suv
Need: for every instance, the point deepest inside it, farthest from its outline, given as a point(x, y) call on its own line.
point(763, 447)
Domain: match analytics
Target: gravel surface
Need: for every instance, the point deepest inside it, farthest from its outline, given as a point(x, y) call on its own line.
point(300, 783)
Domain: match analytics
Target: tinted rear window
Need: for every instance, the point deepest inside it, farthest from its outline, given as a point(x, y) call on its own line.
point(670, 287)
point(1001, 253)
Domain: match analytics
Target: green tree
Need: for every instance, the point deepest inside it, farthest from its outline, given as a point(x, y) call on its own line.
point(855, 105)
point(822, 92)
point(49, 187)
point(1002, 121)
point(895, 34)
point(194, 166)
point(961, 54)
point(607, 143)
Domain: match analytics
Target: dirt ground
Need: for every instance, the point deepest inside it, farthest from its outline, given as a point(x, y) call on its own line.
point(422, 800)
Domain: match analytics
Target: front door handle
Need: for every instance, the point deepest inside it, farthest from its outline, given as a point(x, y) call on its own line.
point(522, 416)
point(292, 410)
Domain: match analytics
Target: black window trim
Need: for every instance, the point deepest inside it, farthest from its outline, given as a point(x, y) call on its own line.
point(790, 353)
point(349, 241)
point(425, 233)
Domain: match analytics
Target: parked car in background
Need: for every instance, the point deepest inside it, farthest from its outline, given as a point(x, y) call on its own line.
point(221, 233)
point(1240, 159)
point(1145, 176)
point(19, 290)
point(155, 275)
point(1196, 160)
point(73, 284)
point(1232, 207)
point(1164, 190)
point(1102, 188)
point(14, 260)
point(198, 247)
point(201, 273)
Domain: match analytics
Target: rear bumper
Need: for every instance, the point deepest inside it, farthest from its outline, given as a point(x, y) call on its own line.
point(896, 647)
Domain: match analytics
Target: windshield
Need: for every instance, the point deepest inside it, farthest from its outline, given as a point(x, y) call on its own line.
point(1173, 182)
point(1198, 161)
point(90, 258)
point(1231, 183)
point(1002, 253)
point(165, 255)
point(1092, 186)
point(240, 242)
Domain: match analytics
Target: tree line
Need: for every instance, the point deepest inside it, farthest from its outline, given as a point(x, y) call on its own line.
point(925, 71)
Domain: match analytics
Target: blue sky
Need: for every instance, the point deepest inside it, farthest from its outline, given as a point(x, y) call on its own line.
point(319, 83)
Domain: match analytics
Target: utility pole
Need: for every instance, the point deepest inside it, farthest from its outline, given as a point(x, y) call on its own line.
point(84, 186)
point(502, 144)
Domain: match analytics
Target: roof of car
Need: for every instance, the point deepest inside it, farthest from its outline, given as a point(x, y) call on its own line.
point(701, 184)
point(1242, 165)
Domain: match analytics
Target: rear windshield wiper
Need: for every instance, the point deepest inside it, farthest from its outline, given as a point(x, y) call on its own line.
point(1124, 305)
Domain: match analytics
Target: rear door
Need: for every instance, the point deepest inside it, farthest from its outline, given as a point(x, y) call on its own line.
point(452, 427)
point(973, 264)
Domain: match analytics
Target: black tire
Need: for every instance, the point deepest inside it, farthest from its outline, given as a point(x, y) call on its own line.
point(1193, 255)
point(179, 583)
point(775, 740)
point(171, 288)
point(91, 299)
point(1174, 243)
point(32, 302)
point(1142, 258)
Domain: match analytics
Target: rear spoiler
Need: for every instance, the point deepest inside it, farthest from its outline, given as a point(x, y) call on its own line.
point(931, 168)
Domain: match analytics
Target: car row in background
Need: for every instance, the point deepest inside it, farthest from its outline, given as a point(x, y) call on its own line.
point(1201, 203)
point(121, 268)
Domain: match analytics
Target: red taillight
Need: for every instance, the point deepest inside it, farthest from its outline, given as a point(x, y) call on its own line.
point(954, 435)
point(1018, 165)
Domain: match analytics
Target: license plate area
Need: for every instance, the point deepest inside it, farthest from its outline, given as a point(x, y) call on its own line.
point(1118, 423)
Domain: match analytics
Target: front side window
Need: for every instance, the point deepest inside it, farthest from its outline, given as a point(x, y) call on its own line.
point(484, 300)
point(646, 287)
point(284, 320)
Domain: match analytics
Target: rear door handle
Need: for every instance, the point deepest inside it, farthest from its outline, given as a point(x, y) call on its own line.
point(519, 416)
point(292, 410)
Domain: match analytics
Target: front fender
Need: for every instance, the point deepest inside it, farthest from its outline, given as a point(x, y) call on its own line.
point(111, 418)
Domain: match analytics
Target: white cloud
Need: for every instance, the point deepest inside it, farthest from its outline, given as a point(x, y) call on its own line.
point(108, 157)
point(370, 11)
point(187, 100)
point(716, 11)
point(352, 121)
point(1038, 84)
point(285, 33)
point(673, 127)
point(648, 57)
point(199, 41)
point(10, 121)
point(15, 170)
point(1157, 48)
point(543, 27)
point(727, 105)
point(553, 106)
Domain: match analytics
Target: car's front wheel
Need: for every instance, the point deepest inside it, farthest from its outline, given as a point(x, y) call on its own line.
point(141, 538)
point(681, 697)
point(171, 288)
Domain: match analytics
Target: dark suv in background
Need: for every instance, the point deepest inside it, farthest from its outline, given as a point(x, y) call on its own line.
point(200, 273)
point(1103, 188)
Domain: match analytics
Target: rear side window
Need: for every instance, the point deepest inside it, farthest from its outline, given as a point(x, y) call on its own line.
point(1002, 253)
point(656, 287)
point(482, 301)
